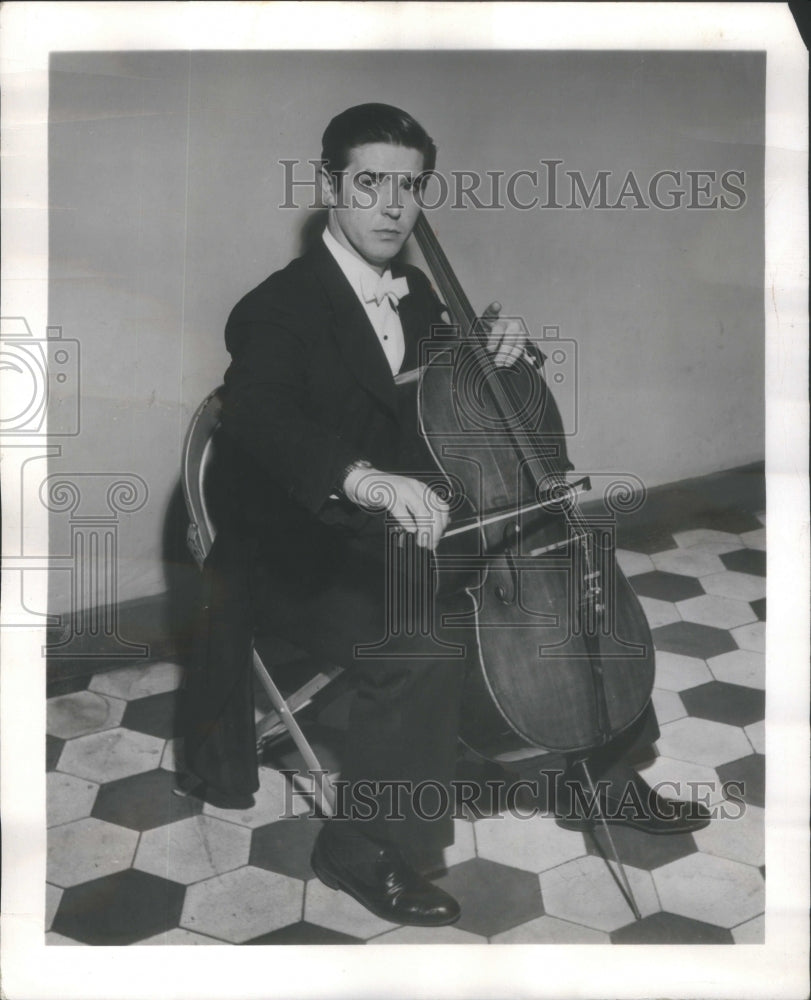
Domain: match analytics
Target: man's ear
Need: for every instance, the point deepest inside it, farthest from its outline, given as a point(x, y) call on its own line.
point(329, 190)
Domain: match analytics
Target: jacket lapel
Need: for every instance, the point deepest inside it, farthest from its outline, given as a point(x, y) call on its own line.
point(412, 321)
point(356, 337)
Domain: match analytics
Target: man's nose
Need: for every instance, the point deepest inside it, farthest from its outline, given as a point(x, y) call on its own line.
point(392, 204)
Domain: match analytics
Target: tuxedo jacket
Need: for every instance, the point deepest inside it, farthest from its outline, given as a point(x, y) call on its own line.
point(309, 391)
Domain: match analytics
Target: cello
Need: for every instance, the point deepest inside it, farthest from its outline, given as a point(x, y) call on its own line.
point(565, 656)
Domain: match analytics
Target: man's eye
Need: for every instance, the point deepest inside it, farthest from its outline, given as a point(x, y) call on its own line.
point(367, 180)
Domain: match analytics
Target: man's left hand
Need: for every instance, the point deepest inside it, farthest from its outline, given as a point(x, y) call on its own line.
point(506, 338)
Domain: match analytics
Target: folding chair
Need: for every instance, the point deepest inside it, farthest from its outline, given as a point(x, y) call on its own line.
point(197, 453)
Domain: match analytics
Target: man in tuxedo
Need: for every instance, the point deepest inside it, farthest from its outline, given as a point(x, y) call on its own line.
point(323, 463)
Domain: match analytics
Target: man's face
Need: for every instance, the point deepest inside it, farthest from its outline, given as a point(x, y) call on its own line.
point(375, 209)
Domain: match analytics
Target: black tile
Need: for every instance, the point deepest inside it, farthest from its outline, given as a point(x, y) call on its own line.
point(670, 928)
point(53, 750)
point(493, 897)
point(67, 685)
point(690, 639)
point(119, 909)
point(722, 702)
point(666, 586)
point(745, 561)
point(749, 774)
point(759, 607)
point(144, 801)
point(646, 538)
point(285, 846)
point(304, 933)
point(640, 849)
point(155, 715)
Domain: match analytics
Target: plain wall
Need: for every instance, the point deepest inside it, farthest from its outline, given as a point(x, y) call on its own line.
point(165, 189)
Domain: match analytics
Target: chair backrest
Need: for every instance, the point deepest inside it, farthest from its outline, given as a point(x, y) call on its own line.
point(197, 452)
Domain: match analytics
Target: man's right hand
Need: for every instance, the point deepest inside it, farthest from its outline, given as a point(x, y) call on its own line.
point(418, 508)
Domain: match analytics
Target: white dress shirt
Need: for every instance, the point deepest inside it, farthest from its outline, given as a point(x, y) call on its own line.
point(383, 315)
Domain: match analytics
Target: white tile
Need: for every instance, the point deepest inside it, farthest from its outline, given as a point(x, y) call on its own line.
point(59, 939)
point(534, 844)
point(88, 849)
point(193, 849)
point(702, 741)
point(585, 892)
point(683, 780)
point(116, 753)
point(53, 897)
point(688, 562)
point(634, 563)
point(756, 734)
point(659, 612)
point(138, 682)
point(274, 800)
point(750, 932)
point(335, 909)
point(463, 847)
point(68, 798)
point(667, 705)
point(428, 935)
point(705, 536)
point(720, 612)
point(82, 712)
point(762, 518)
point(675, 672)
point(751, 636)
point(740, 666)
point(715, 890)
point(737, 833)
point(550, 930)
point(179, 935)
point(717, 548)
point(755, 539)
point(242, 904)
point(173, 758)
point(741, 586)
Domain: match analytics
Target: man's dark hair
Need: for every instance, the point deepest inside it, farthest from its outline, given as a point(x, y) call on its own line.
point(367, 123)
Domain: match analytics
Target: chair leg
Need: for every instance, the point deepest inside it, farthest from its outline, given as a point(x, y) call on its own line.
point(325, 792)
point(270, 726)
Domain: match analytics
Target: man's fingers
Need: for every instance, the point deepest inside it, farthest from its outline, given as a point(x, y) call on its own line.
point(511, 345)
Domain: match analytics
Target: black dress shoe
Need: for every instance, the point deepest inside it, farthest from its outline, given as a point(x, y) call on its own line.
point(385, 884)
point(635, 804)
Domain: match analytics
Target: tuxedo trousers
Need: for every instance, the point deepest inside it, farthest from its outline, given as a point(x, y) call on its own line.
point(366, 615)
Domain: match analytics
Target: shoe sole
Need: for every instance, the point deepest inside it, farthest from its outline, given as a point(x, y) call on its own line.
point(334, 883)
point(587, 825)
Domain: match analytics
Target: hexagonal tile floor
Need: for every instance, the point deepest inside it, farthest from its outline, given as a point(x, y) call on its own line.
point(130, 863)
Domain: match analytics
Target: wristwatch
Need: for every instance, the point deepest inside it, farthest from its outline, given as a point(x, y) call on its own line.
point(359, 463)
